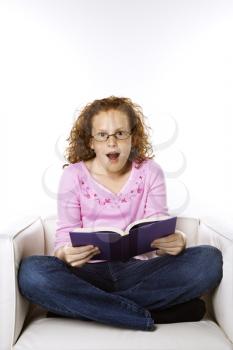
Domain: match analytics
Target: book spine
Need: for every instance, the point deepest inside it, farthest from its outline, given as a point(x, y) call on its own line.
point(125, 252)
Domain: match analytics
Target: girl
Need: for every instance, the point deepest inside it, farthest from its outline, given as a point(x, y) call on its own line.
point(112, 180)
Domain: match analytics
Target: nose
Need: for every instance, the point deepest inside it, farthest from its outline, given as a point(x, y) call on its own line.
point(112, 139)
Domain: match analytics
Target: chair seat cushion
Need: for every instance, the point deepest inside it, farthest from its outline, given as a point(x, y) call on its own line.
point(44, 333)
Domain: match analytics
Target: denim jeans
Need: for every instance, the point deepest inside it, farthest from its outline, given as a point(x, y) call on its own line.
point(120, 293)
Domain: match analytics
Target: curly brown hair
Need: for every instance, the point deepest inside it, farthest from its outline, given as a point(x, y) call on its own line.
point(80, 133)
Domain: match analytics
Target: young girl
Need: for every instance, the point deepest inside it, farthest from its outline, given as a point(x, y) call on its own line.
point(112, 180)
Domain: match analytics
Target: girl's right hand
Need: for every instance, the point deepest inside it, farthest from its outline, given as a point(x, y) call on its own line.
point(76, 256)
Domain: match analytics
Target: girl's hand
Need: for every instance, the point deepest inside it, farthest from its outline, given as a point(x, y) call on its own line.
point(76, 256)
point(172, 244)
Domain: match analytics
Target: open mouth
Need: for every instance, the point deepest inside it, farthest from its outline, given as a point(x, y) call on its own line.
point(113, 155)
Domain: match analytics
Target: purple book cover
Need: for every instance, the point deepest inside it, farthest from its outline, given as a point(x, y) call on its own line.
point(116, 247)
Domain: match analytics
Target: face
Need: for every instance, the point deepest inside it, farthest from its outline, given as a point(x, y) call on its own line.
point(110, 122)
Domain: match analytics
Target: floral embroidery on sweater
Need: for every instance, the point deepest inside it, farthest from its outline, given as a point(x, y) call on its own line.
point(116, 199)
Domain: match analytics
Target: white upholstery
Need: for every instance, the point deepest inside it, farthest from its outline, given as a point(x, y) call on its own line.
point(23, 326)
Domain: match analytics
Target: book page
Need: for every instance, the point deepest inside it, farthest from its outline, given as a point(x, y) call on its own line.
point(98, 229)
point(149, 219)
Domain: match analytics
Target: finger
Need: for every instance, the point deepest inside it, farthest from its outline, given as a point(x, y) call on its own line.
point(82, 262)
point(173, 251)
point(160, 252)
point(79, 249)
point(160, 241)
point(179, 237)
point(169, 245)
point(170, 238)
point(70, 258)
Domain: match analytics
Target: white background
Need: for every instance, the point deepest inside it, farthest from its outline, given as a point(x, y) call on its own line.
point(173, 58)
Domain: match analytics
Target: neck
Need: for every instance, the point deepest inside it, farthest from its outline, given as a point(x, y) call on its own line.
point(99, 170)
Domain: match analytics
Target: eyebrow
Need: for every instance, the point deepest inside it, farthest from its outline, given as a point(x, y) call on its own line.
point(115, 130)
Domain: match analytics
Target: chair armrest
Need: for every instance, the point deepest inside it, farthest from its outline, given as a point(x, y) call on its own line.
point(20, 239)
point(219, 233)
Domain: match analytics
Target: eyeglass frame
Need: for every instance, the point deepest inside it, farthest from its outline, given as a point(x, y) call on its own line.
point(129, 132)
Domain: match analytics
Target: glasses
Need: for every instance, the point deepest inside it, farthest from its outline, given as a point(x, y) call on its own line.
point(120, 135)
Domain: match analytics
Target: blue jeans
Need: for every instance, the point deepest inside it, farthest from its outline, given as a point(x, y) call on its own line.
point(120, 293)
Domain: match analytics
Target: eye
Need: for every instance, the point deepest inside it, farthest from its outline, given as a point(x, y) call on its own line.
point(102, 134)
point(120, 132)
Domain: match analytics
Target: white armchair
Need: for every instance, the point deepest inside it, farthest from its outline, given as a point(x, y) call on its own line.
point(24, 326)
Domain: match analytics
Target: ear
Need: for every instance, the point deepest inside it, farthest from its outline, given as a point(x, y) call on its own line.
point(91, 143)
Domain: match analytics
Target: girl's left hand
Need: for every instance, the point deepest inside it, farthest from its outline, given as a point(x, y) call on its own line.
point(172, 244)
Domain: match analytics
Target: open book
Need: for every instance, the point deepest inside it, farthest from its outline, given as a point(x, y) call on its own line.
point(116, 244)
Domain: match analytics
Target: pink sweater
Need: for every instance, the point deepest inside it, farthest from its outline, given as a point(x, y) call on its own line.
point(84, 202)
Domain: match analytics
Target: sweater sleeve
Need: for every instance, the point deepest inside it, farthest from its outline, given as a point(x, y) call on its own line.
point(156, 203)
point(68, 206)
